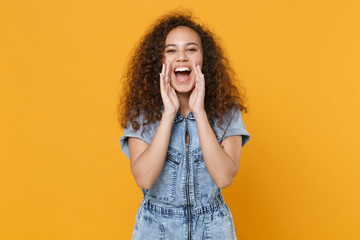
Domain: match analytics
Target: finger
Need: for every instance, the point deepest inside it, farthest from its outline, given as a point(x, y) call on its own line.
point(161, 83)
point(162, 71)
point(196, 90)
point(168, 68)
point(173, 92)
point(196, 72)
point(167, 82)
point(163, 68)
point(197, 79)
point(166, 79)
point(163, 75)
point(201, 77)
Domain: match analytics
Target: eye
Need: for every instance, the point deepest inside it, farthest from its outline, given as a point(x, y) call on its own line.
point(192, 50)
point(170, 51)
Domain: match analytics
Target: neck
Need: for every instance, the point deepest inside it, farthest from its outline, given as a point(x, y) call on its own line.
point(184, 103)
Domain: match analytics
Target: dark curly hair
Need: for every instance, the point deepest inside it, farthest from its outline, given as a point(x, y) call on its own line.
point(141, 88)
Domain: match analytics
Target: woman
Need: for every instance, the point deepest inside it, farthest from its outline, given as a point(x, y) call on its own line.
point(183, 131)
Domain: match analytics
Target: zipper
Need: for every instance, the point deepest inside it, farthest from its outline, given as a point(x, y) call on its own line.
point(187, 139)
point(199, 159)
point(172, 160)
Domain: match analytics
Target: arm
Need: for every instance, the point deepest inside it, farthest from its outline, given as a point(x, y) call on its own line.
point(147, 160)
point(222, 161)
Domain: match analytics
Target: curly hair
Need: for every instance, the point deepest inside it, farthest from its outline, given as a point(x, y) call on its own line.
point(141, 88)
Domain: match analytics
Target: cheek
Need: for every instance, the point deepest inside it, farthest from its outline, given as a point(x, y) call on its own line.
point(168, 59)
point(199, 60)
point(164, 59)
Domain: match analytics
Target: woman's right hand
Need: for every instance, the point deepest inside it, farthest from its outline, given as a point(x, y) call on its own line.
point(168, 94)
point(147, 160)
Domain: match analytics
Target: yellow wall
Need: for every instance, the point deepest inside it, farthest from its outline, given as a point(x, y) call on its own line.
point(63, 175)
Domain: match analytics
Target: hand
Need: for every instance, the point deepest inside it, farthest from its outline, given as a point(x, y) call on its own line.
point(196, 100)
point(168, 94)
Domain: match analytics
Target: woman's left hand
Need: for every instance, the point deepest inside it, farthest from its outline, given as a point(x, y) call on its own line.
point(197, 96)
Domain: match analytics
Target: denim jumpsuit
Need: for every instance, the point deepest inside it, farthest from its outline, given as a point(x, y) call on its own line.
point(184, 202)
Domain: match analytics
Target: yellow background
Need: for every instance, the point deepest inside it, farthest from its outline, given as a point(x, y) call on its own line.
point(62, 172)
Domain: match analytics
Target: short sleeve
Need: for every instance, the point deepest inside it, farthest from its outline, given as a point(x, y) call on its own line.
point(145, 136)
point(237, 127)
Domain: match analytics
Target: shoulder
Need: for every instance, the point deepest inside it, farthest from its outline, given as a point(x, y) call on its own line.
point(229, 117)
point(144, 132)
point(232, 124)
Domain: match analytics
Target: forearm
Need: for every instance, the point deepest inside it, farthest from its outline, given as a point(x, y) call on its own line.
point(221, 167)
point(149, 164)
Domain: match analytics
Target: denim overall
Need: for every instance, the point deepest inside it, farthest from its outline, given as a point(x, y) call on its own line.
point(184, 202)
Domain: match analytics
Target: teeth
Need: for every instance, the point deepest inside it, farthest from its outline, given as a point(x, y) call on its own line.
point(182, 69)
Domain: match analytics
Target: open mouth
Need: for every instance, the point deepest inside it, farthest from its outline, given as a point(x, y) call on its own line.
point(182, 74)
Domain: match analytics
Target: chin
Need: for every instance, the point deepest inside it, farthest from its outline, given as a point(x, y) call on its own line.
point(183, 88)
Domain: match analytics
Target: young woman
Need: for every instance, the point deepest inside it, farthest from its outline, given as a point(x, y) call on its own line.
point(183, 131)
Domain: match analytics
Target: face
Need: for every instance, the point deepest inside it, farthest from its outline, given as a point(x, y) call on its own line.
point(182, 49)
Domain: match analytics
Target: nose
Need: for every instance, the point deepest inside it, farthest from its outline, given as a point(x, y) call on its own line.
point(182, 56)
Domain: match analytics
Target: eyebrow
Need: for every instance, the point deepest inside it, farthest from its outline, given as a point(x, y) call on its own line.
point(188, 44)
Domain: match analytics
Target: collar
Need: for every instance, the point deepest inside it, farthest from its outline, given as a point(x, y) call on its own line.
point(179, 117)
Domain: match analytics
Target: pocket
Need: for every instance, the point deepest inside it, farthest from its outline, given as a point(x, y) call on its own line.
point(148, 228)
point(204, 184)
point(165, 185)
point(137, 221)
point(220, 226)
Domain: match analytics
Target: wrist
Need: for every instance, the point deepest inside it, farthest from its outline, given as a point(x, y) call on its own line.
point(168, 115)
point(200, 115)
